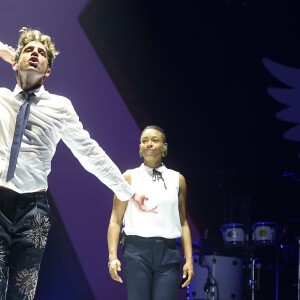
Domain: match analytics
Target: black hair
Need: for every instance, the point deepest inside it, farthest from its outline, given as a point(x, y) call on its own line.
point(157, 128)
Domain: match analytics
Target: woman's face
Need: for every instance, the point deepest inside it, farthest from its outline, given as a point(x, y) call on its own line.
point(152, 143)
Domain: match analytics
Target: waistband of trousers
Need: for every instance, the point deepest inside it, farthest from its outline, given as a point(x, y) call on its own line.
point(7, 190)
point(137, 238)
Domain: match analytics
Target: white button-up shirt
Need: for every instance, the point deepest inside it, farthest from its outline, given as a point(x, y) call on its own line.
point(51, 119)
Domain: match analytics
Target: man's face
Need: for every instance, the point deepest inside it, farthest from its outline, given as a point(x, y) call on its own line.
point(33, 58)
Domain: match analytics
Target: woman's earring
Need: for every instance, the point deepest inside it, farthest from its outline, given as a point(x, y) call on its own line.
point(140, 154)
point(165, 152)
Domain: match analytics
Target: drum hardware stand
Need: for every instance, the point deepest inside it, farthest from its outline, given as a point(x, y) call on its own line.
point(298, 284)
point(277, 273)
point(210, 287)
point(253, 282)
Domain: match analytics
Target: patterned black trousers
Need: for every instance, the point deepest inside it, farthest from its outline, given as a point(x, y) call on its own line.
point(24, 226)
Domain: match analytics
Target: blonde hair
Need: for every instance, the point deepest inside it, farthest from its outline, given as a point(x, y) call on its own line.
point(29, 35)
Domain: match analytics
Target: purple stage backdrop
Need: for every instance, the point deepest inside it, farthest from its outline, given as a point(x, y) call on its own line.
point(84, 204)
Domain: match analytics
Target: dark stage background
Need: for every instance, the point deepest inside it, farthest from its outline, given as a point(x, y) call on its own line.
point(197, 69)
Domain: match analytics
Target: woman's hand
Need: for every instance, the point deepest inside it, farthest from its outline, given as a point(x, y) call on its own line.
point(188, 274)
point(115, 267)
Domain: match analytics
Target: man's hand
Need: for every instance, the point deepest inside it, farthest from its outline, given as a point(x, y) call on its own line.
point(139, 202)
point(7, 53)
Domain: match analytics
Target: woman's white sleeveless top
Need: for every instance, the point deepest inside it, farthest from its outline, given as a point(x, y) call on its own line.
point(160, 192)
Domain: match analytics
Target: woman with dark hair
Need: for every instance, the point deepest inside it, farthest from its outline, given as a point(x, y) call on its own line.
point(151, 260)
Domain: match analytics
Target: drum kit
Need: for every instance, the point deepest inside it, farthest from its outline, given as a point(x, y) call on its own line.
point(236, 273)
point(216, 277)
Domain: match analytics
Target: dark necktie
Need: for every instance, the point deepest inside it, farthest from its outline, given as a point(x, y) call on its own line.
point(19, 131)
point(158, 175)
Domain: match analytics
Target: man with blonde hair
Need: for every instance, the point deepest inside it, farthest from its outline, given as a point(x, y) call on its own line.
point(32, 122)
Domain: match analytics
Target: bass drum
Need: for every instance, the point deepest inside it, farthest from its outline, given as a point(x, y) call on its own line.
point(217, 277)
